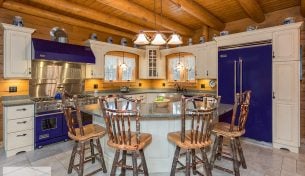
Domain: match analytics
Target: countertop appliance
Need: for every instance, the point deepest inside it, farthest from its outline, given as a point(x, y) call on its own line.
point(50, 123)
point(243, 68)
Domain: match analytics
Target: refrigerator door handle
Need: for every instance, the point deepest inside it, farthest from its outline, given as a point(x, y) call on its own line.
point(241, 77)
point(235, 76)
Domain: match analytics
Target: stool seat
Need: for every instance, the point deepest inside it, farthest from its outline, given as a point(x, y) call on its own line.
point(223, 129)
point(175, 137)
point(145, 139)
point(90, 131)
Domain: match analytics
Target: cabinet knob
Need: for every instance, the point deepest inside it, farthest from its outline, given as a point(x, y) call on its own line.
point(21, 135)
point(30, 72)
point(24, 122)
point(23, 109)
point(273, 96)
point(207, 72)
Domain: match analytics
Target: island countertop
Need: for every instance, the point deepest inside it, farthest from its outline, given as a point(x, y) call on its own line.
point(151, 111)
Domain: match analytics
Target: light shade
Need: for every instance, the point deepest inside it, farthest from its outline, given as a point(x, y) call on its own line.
point(175, 39)
point(124, 66)
point(141, 39)
point(158, 39)
point(180, 66)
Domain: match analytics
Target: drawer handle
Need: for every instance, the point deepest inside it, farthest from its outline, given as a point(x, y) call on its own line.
point(21, 122)
point(21, 135)
point(23, 109)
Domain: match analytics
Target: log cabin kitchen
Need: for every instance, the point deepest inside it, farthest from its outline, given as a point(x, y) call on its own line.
point(152, 87)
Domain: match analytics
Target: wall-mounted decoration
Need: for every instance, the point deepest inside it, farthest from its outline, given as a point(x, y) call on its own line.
point(59, 35)
point(109, 40)
point(18, 21)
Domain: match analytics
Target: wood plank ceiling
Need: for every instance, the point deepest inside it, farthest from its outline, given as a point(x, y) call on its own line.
point(127, 17)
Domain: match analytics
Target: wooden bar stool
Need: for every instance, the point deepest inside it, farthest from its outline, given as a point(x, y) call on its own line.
point(233, 132)
point(119, 113)
point(83, 135)
point(201, 110)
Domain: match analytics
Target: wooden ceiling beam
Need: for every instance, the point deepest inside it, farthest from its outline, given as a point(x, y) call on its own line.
point(19, 7)
point(302, 6)
point(253, 10)
point(85, 12)
point(146, 15)
point(194, 9)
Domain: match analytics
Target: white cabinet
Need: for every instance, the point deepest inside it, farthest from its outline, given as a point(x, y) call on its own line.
point(18, 129)
point(17, 51)
point(286, 45)
point(152, 66)
point(206, 61)
point(96, 70)
point(286, 100)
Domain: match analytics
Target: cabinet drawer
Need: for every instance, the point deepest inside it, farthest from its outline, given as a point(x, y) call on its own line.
point(19, 124)
point(16, 112)
point(20, 139)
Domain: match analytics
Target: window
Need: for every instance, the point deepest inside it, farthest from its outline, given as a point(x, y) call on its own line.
point(181, 67)
point(115, 69)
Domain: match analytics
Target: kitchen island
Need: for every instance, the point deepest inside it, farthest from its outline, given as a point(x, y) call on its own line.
point(156, 121)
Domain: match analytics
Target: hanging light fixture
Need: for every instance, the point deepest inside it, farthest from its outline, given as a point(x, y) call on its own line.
point(158, 37)
point(123, 65)
point(175, 39)
point(180, 65)
point(141, 39)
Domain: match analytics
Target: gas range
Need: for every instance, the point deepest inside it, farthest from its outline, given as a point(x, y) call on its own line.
point(48, 104)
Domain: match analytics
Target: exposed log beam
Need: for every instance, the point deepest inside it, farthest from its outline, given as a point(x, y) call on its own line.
point(1, 2)
point(147, 15)
point(253, 9)
point(82, 11)
point(302, 6)
point(15, 6)
point(200, 13)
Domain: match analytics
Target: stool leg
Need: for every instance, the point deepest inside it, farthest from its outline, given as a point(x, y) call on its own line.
point(235, 159)
point(144, 162)
point(206, 162)
point(188, 163)
point(92, 150)
point(175, 160)
point(194, 162)
point(81, 159)
point(214, 150)
point(134, 163)
point(241, 153)
point(100, 151)
point(123, 169)
point(219, 150)
point(115, 162)
point(71, 163)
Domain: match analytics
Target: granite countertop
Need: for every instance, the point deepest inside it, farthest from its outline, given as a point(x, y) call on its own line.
point(141, 91)
point(151, 111)
point(16, 100)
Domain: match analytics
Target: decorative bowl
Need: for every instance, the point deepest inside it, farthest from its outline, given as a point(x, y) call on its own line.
point(162, 103)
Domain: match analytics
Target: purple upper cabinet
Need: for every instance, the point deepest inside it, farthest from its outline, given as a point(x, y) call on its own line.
point(55, 51)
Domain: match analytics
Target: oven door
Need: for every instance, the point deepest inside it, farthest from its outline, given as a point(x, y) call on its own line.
point(48, 126)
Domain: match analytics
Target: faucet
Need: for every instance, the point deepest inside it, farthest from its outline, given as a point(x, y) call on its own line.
point(180, 88)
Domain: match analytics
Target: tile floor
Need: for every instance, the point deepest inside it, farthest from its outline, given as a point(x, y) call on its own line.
point(261, 161)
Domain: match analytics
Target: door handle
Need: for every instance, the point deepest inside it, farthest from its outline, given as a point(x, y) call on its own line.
point(235, 63)
point(21, 135)
point(24, 122)
point(23, 109)
point(273, 95)
point(241, 75)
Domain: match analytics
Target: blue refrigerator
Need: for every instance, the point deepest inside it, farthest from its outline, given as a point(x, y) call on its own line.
point(248, 68)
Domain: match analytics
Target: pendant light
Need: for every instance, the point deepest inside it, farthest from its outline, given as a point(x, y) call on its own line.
point(158, 39)
point(123, 65)
point(141, 39)
point(175, 39)
point(180, 65)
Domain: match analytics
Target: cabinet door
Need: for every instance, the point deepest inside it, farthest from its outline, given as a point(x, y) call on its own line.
point(210, 66)
point(143, 68)
point(286, 45)
point(286, 115)
point(96, 70)
point(200, 63)
point(161, 68)
point(17, 54)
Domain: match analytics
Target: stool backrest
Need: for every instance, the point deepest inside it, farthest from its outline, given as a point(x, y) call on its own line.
point(201, 110)
point(119, 113)
point(241, 108)
point(70, 104)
